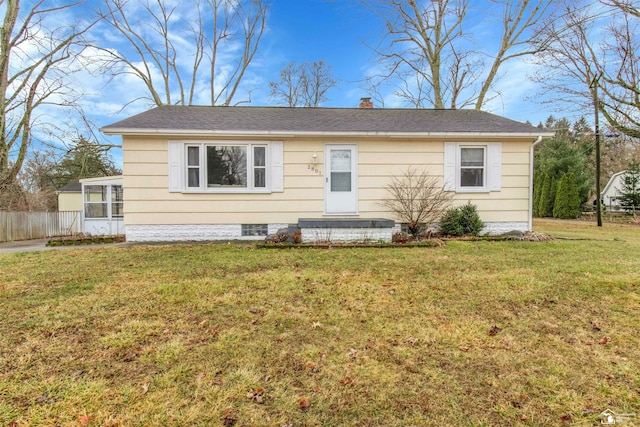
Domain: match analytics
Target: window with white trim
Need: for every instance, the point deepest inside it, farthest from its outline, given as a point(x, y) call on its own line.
point(103, 201)
point(472, 167)
point(117, 201)
point(95, 201)
point(226, 167)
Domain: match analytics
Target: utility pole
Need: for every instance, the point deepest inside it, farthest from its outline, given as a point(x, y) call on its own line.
point(594, 86)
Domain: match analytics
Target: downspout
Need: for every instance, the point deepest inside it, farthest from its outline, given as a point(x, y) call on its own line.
point(533, 145)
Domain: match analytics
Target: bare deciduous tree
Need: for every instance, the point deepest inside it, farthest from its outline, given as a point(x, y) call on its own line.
point(37, 53)
point(431, 55)
point(621, 103)
point(588, 44)
point(417, 199)
point(303, 85)
point(222, 38)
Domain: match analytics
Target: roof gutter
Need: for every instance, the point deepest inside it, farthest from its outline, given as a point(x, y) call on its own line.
point(293, 134)
point(533, 145)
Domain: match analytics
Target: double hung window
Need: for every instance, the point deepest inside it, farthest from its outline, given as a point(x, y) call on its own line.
point(472, 167)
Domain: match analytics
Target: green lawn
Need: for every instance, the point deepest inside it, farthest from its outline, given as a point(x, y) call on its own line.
point(469, 334)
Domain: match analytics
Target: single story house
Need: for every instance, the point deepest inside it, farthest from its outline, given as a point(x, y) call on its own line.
point(207, 173)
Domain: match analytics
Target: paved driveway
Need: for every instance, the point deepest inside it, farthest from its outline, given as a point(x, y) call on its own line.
point(40, 245)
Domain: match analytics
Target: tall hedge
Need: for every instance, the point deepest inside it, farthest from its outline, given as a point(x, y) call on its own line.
point(547, 197)
point(567, 200)
point(537, 192)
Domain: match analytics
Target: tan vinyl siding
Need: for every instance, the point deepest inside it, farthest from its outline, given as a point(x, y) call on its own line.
point(69, 202)
point(148, 201)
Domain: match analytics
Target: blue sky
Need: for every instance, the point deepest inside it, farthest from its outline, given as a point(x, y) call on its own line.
point(333, 31)
point(340, 32)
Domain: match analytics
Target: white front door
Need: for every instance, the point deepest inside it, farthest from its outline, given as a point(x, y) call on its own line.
point(341, 179)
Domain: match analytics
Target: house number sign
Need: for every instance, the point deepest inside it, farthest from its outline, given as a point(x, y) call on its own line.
point(314, 169)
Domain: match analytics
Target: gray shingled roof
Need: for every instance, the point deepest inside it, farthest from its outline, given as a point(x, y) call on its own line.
point(71, 187)
point(172, 119)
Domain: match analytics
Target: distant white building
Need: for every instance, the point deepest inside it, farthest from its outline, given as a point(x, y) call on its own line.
point(612, 191)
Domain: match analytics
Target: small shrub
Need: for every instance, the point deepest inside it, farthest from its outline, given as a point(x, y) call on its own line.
point(283, 236)
point(417, 199)
point(461, 221)
point(400, 237)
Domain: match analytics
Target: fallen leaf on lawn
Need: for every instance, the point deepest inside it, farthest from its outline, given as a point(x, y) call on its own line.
point(346, 381)
point(145, 388)
point(494, 330)
point(463, 348)
point(304, 403)
point(84, 420)
point(228, 420)
point(605, 340)
point(523, 417)
point(567, 416)
point(256, 395)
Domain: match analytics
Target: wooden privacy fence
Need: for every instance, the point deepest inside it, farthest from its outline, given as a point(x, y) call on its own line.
point(37, 225)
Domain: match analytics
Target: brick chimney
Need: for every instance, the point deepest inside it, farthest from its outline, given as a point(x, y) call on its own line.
point(366, 103)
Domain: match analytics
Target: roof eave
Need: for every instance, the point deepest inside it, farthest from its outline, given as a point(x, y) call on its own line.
point(292, 134)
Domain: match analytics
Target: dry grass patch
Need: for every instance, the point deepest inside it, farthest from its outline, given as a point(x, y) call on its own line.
point(474, 333)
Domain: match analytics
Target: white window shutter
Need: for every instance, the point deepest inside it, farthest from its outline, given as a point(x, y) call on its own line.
point(175, 166)
point(494, 172)
point(449, 166)
point(277, 167)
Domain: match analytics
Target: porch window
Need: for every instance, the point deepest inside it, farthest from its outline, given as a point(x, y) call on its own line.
point(95, 201)
point(103, 201)
point(116, 201)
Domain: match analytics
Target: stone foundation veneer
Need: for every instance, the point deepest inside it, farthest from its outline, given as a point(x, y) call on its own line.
point(210, 232)
point(497, 228)
point(346, 234)
point(195, 232)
